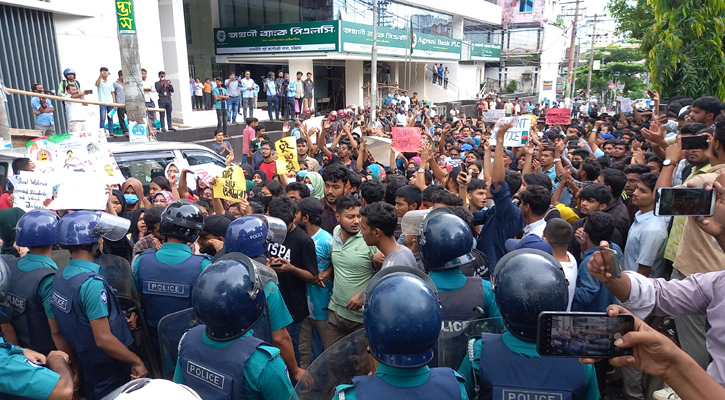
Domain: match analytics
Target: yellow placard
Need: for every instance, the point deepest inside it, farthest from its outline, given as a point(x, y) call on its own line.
point(287, 155)
point(231, 184)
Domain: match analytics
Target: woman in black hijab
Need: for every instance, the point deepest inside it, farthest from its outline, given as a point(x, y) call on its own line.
point(122, 247)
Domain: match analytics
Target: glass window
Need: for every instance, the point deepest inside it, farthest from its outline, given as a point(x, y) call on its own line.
point(197, 157)
point(526, 5)
point(143, 166)
point(395, 16)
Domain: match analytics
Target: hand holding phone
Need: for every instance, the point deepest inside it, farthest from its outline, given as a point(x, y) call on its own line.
point(685, 201)
point(694, 142)
point(574, 334)
point(612, 261)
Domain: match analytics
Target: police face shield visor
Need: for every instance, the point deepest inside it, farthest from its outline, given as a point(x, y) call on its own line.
point(260, 274)
point(110, 227)
point(276, 229)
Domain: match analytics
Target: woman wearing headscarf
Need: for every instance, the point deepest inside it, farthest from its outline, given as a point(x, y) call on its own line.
point(318, 185)
point(376, 171)
point(132, 193)
point(8, 220)
point(138, 227)
point(259, 177)
point(117, 206)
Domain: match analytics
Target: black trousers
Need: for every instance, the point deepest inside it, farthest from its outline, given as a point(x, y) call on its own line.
point(166, 105)
point(122, 119)
point(221, 120)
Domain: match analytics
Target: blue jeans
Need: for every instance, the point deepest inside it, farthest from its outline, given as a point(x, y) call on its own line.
point(272, 105)
point(294, 332)
point(244, 158)
point(104, 113)
point(232, 109)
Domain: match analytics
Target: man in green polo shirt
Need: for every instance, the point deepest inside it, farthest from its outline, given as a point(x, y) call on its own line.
point(352, 266)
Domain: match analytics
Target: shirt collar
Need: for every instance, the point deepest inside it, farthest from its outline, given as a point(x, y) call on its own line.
point(530, 227)
point(176, 246)
point(41, 258)
point(613, 204)
point(85, 264)
point(639, 217)
point(401, 372)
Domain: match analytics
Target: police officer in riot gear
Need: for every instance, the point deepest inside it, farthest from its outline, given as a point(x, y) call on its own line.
point(166, 276)
point(30, 319)
point(402, 324)
point(85, 308)
point(248, 235)
point(526, 282)
point(221, 359)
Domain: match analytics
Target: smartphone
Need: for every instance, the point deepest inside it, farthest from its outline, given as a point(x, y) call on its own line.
point(694, 142)
point(612, 260)
point(575, 334)
point(684, 201)
point(275, 264)
point(88, 91)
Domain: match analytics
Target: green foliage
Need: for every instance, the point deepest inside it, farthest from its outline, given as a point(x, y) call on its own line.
point(634, 20)
point(559, 21)
point(684, 47)
point(626, 61)
point(512, 86)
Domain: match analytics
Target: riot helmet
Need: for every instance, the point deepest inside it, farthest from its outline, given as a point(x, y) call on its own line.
point(445, 240)
point(152, 389)
point(4, 282)
point(251, 234)
point(527, 282)
point(182, 219)
point(36, 228)
point(86, 227)
point(228, 298)
point(402, 317)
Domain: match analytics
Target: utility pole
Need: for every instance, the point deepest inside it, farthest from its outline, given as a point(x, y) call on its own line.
point(4, 122)
point(374, 66)
point(570, 75)
point(130, 62)
point(591, 54)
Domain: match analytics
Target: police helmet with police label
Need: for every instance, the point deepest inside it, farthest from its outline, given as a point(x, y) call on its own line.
point(247, 235)
point(527, 282)
point(228, 298)
point(4, 281)
point(402, 317)
point(445, 240)
point(182, 219)
point(86, 227)
point(36, 228)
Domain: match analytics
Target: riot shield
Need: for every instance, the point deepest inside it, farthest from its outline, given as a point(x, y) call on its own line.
point(337, 365)
point(117, 273)
point(171, 329)
point(452, 343)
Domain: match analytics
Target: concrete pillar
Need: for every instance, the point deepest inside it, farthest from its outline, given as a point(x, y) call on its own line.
point(396, 74)
point(353, 82)
point(176, 60)
point(457, 27)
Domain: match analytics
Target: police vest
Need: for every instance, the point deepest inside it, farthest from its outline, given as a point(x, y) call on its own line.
point(512, 376)
point(166, 287)
point(73, 322)
point(442, 383)
point(215, 373)
point(460, 305)
point(25, 310)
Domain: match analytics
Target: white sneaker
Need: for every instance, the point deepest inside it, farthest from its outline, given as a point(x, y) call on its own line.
point(665, 394)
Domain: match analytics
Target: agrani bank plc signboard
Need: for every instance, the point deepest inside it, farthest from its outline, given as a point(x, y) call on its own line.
point(283, 38)
point(439, 47)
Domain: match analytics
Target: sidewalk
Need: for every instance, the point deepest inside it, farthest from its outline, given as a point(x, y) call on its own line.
point(205, 119)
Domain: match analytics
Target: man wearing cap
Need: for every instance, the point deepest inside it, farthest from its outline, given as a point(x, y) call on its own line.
point(529, 242)
point(211, 238)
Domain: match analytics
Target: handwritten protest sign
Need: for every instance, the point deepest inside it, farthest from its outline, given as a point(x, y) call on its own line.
point(406, 139)
point(80, 191)
point(32, 189)
point(287, 155)
point(627, 105)
point(138, 132)
point(231, 184)
point(558, 116)
point(493, 115)
point(206, 172)
point(518, 134)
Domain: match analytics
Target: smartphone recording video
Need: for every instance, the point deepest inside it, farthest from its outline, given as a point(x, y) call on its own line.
point(573, 334)
point(694, 142)
point(684, 201)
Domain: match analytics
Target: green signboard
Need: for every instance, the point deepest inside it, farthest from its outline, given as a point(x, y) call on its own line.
point(482, 51)
point(438, 47)
point(358, 38)
point(284, 38)
point(126, 20)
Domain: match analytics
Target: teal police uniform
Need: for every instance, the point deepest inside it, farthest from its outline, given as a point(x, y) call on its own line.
point(265, 373)
point(399, 377)
point(171, 253)
point(31, 262)
point(449, 280)
point(94, 299)
point(523, 349)
point(22, 377)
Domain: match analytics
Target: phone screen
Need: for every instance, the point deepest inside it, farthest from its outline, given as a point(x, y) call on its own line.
point(694, 142)
point(582, 334)
point(684, 201)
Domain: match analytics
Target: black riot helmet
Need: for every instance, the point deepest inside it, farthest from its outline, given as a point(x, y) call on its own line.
point(527, 282)
point(182, 219)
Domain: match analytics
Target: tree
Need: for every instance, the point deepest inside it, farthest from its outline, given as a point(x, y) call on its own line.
point(618, 63)
point(634, 20)
point(684, 48)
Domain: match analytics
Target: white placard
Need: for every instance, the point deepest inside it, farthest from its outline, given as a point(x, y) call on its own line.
point(137, 132)
point(206, 172)
point(493, 115)
point(80, 191)
point(31, 189)
point(627, 105)
point(518, 134)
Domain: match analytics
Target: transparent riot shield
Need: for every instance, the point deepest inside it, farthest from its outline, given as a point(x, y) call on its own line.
point(116, 271)
point(171, 329)
point(452, 343)
point(337, 365)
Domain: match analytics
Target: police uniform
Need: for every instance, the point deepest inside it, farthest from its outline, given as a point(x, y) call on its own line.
point(22, 377)
point(460, 295)
point(80, 295)
point(519, 370)
point(244, 368)
point(28, 300)
point(419, 383)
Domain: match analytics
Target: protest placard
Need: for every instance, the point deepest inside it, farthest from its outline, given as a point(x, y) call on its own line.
point(206, 172)
point(137, 132)
point(80, 191)
point(518, 134)
point(379, 148)
point(287, 155)
point(406, 139)
point(627, 105)
point(231, 184)
point(493, 115)
point(558, 116)
point(32, 189)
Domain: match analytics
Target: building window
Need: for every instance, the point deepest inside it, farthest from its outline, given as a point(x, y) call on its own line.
point(526, 5)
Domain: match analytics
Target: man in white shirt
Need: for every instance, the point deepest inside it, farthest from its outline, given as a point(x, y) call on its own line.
point(402, 117)
point(647, 238)
point(535, 201)
point(77, 112)
point(558, 233)
point(148, 93)
point(406, 99)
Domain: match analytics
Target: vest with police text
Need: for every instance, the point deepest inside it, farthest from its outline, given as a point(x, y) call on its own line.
point(166, 287)
point(73, 322)
point(442, 383)
point(25, 310)
point(215, 373)
point(507, 375)
point(460, 305)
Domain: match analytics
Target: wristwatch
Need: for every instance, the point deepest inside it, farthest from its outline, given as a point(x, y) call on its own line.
point(557, 160)
point(667, 162)
point(421, 170)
